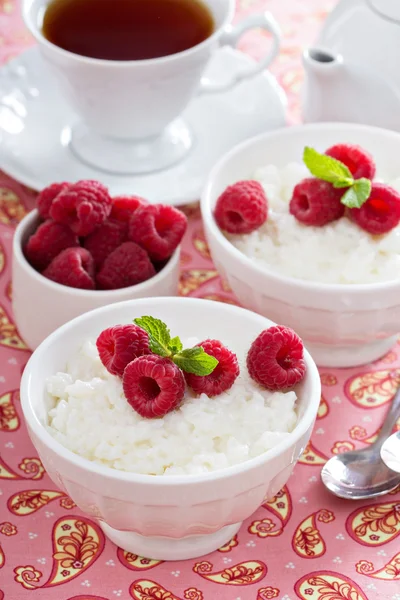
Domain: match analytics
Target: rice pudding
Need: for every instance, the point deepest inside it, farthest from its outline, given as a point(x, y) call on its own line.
point(90, 416)
point(340, 252)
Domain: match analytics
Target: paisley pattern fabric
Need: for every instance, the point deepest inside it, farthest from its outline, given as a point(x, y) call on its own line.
point(302, 544)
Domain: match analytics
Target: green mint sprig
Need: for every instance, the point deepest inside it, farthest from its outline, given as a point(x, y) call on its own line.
point(192, 360)
point(335, 172)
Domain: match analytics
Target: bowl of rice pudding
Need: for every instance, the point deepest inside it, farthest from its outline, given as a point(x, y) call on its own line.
point(177, 486)
point(336, 285)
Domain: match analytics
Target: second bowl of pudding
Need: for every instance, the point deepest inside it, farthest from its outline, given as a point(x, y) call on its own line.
point(336, 285)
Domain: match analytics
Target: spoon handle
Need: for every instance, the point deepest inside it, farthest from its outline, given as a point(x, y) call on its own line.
point(390, 420)
point(390, 452)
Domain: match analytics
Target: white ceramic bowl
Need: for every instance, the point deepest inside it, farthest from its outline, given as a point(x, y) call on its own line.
point(41, 305)
point(341, 325)
point(164, 517)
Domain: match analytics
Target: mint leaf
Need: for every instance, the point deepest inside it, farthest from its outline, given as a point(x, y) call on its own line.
point(342, 184)
point(195, 360)
point(327, 168)
point(159, 336)
point(175, 345)
point(359, 193)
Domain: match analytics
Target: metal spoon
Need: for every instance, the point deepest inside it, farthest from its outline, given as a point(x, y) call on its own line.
point(361, 474)
point(390, 452)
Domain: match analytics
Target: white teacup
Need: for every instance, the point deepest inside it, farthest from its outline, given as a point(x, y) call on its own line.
point(128, 110)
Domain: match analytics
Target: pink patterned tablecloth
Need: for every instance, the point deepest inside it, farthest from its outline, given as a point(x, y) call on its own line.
point(304, 543)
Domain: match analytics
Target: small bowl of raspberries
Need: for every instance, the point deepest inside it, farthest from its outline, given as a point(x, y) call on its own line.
point(304, 225)
point(81, 249)
point(170, 420)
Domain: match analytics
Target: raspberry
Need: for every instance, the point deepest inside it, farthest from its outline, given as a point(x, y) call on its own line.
point(359, 162)
point(275, 359)
point(46, 197)
point(120, 345)
point(105, 239)
point(123, 207)
point(242, 207)
point(316, 202)
point(159, 229)
point(224, 374)
point(83, 206)
point(127, 265)
point(73, 267)
point(153, 385)
point(381, 212)
point(47, 242)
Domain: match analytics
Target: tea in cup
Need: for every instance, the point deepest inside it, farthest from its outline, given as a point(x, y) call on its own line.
point(127, 29)
point(129, 68)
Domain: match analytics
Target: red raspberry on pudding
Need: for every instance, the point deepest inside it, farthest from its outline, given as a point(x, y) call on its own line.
point(120, 345)
point(242, 207)
point(275, 359)
point(73, 267)
point(158, 229)
point(359, 162)
point(47, 242)
point(380, 213)
point(127, 265)
point(222, 377)
point(83, 206)
point(316, 202)
point(153, 385)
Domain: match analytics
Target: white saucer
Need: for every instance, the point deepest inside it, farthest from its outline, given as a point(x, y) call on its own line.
point(35, 129)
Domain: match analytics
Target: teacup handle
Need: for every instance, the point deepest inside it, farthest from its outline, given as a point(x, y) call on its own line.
point(230, 37)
